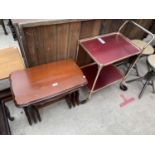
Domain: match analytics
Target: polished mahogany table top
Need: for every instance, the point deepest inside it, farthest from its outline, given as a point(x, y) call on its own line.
point(43, 82)
point(115, 47)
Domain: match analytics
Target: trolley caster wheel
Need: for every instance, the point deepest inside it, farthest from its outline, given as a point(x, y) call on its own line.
point(11, 118)
point(123, 87)
point(84, 101)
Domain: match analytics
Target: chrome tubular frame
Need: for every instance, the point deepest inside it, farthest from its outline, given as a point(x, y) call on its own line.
point(143, 29)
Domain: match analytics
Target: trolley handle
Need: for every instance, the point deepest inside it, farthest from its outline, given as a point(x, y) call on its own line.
point(141, 27)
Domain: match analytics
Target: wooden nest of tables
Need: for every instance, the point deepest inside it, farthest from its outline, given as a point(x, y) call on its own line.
point(38, 85)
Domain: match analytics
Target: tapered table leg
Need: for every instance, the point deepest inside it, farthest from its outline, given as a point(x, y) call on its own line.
point(28, 114)
point(37, 113)
point(77, 97)
point(33, 114)
point(73, 99)
point(68, 100)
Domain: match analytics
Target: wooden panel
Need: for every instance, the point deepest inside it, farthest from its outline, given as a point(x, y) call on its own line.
point(62, 41)
point(135, 33)
point(49, 41)
point(43, 22)
point(39, 45)
point(30, 50)
point(96, 27)
point(110, 25)
point(152, 28)
point(88, 29)
point(74, 33)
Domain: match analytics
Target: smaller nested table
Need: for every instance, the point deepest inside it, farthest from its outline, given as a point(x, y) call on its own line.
point(46, 83)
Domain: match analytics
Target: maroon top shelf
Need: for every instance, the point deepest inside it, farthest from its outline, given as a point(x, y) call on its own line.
point(115, 48)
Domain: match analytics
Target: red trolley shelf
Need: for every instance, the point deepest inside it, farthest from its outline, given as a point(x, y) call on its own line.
point(108, 75)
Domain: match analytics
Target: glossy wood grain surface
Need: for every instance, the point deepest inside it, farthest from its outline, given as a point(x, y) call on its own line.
point(45, 81)
point(10, 60)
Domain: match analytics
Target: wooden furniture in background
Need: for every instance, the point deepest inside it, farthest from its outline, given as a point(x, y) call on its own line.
point(46, 83)
point(10, 60)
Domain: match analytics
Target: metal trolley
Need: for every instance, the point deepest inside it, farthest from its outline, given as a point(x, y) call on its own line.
point(105, 50)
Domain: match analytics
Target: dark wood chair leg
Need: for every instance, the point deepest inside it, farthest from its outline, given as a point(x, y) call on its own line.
point(28, 115)
point(4, 28)
point(8, 113)
point(12, 29)
point(4, 124)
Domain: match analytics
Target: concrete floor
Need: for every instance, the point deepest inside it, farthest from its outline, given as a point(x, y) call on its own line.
point(102, 114)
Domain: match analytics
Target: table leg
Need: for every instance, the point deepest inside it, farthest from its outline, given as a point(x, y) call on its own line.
point(76, 95)
point(72, 98)
point(28, 114)
point(68, 100)
point(33, 114)
point(37, 113)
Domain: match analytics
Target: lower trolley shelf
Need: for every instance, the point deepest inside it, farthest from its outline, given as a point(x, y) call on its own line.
point(108, 75)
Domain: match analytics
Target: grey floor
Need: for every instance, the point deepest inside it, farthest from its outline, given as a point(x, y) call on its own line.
point(102, 114)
